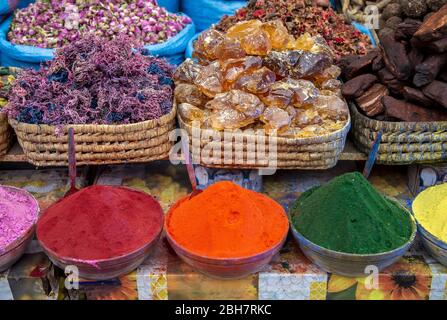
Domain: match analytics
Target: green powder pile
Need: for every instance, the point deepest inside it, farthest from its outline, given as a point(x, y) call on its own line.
point(349, 215)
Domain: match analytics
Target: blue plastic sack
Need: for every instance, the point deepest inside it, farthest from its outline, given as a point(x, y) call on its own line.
point(7, 61)
point(8, 6)
point(20, 55)
point(174, 45)
point(363, 29)
point(17, 55)
point(207, 12)
point(170, 5)
point(333, 4)
point(190, 47)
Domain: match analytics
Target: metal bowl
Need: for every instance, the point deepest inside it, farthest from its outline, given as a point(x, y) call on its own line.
point(12, 255)
point(16, 249)
point(103, 269)
point(223, 268)
point(436, 247)
point(348, 264)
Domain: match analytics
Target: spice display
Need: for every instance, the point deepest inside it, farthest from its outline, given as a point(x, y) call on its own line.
point(430, 210)
point(100, 222)
point(227, 221)
point(93, 81)
point(18, 213)
point(348, 215)
point(54, 23)
point(269, 80)
point(340, 35)
point(391, 12)
point(405, 81)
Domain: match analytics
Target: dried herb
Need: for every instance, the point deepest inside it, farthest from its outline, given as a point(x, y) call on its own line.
point(341, 36)
point(96, 82)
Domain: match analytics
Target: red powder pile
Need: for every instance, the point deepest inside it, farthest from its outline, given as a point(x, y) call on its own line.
point(100, 222)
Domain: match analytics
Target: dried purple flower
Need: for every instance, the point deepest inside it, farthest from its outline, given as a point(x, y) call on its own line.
point(54, 23)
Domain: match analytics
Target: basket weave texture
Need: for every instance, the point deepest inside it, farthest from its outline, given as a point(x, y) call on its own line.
point(144, 141)
point(402, 142)
point(5, 134)
point(316, 153)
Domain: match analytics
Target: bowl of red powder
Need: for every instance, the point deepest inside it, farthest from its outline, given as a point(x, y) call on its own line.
point(105, 231)
point(19, 211)
point(227, 231)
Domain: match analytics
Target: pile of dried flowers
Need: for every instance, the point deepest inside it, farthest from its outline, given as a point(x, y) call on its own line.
point(94, 81)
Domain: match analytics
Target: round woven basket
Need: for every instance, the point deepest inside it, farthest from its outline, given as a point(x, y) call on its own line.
point(402, 142)
point(145, 141)
point(5, 134)
point(316, 153)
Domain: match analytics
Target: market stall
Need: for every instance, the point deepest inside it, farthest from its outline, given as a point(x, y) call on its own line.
point(292, 152)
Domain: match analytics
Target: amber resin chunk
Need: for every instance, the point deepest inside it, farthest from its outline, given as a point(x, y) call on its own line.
point(229, 119)
point(210, 79)
point(206, 44)
point(244, 102)
point(233, 68)
point(192, 113)
point(188, 93)
point(275, 118)
point(257, 81)
point(187, 71)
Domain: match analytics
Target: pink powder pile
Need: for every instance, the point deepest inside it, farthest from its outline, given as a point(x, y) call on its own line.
point(18, 212)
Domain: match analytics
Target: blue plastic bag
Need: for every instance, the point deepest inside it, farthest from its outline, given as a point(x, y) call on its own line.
point(170, 5)
point(190, 47)
point(207, 12)
point(28, 56)
point(8, 6)
point(365, 30)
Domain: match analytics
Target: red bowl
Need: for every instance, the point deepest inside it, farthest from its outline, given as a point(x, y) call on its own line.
point(223, 268)
point(103, 269)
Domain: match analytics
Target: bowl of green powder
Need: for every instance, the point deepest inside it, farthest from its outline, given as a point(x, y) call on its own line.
point(348, 228)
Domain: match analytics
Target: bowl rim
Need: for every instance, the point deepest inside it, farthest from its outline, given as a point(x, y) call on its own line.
point(96, 262)
point(30, 230)
point(346, 255)
point(427, 235)
point(220, 261)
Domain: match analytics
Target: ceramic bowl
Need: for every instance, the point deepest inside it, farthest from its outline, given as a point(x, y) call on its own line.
point(104, 269)
point(347, 264)
point(16, 249)
point(223, 268)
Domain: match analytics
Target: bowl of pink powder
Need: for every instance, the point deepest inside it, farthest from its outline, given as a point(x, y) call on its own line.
point(19, 211)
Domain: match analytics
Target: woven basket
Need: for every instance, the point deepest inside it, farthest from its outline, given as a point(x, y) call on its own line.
point(97, 144)
point(5, 134)
point(402, 142)
point(317, 153)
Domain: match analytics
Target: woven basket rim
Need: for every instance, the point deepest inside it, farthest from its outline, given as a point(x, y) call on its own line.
point(404, 125)
point(98, 127)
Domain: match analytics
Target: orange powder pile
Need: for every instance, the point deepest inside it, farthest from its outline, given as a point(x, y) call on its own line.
point(227, 221)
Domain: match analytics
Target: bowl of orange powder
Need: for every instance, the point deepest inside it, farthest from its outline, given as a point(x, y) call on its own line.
point(227, 231)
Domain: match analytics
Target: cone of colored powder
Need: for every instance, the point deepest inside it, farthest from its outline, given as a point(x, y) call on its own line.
point(227, 221)
point(348, 215)
point(100, 222)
